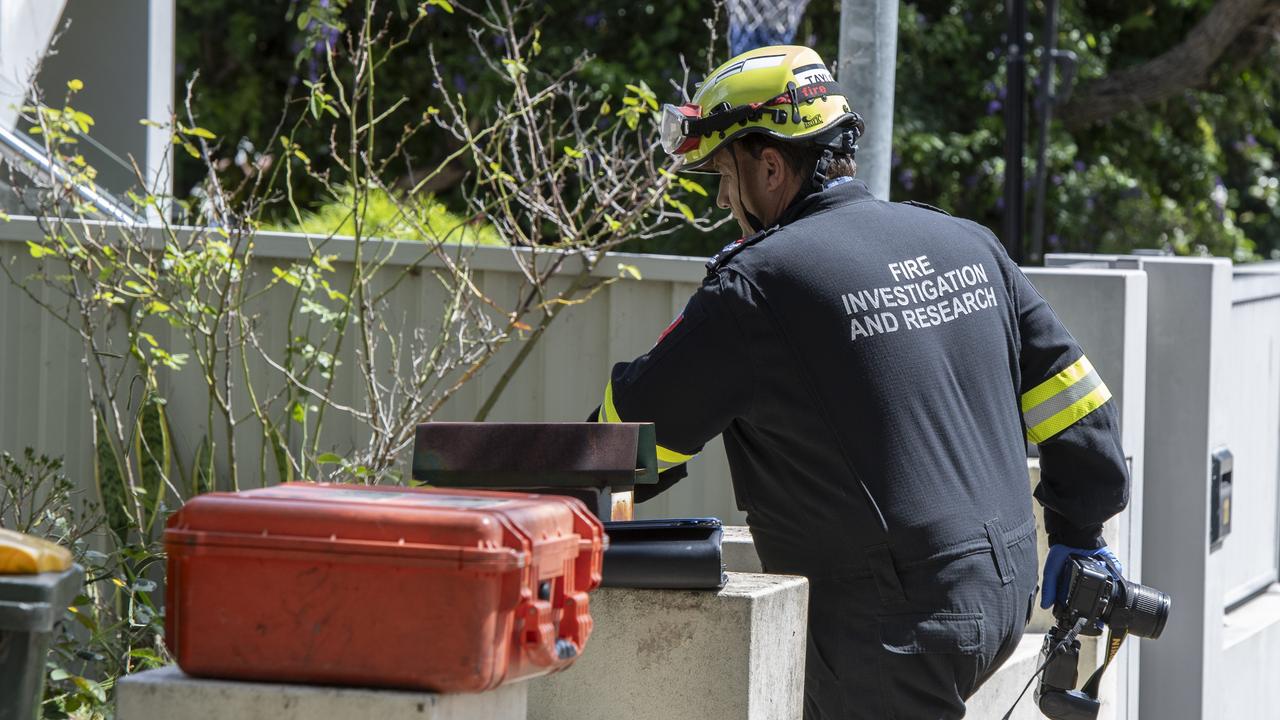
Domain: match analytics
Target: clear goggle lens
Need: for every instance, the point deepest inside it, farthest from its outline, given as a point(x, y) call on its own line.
point(674, 135)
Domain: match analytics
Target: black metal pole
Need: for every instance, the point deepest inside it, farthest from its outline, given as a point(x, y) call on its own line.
point(1045, 101)
point(1015, 122)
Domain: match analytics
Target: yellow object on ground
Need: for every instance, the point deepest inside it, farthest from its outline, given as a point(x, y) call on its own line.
point(26, 555)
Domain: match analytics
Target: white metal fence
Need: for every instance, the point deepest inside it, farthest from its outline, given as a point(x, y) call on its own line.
point(1252, 416)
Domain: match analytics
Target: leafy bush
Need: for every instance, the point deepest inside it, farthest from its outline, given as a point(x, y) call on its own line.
point(114, 626)
point(395, 218)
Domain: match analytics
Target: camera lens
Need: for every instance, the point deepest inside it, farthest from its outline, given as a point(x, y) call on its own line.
point(1143, 610)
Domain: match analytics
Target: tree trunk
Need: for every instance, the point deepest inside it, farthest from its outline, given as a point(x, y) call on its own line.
point(1183, 67)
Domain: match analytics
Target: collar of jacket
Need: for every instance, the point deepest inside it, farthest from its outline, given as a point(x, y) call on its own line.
point(815, 202)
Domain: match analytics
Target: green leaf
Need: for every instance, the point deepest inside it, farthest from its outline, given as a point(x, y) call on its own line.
point(82, 120)
point(299, 413)
point(90, 688)
point(329, 459)
point(304, 19)
point(148, 655)
point(75, 85)
point(444, 5)
point(58, 675)
point(685, 210)
point(38, 251)
point(515, 68)
point(605, 108)
point(502, 174)
point(537, 46)
point(643, 92)
point(200, 132)
point(631, 271)
point(155, 306)
point(574, 153)
point(288, 276)
point(613, 224)
point(691, 186)
point(301, 156)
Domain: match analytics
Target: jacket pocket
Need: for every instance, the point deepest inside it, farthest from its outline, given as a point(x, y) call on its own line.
point(925, 633)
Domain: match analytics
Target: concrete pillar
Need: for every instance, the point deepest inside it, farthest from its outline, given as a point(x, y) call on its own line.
point(168, 694)
point(737, 654)
point(739, 550)
point(1106, 311)
point(867, 70)
point(1189, 312)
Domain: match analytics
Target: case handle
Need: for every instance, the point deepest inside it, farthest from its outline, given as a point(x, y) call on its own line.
point(544, 645)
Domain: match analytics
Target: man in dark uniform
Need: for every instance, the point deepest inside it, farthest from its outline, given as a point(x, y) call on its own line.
point(876, 370)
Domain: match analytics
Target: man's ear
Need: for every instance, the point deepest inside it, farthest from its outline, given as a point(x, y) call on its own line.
point(776, 170)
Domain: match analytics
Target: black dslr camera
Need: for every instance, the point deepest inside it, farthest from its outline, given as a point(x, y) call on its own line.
point(1094, 597)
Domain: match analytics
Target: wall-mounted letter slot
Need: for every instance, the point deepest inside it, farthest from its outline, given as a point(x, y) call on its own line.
point(1220, 497)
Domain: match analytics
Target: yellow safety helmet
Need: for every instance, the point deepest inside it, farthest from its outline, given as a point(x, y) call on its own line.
point(784, 91)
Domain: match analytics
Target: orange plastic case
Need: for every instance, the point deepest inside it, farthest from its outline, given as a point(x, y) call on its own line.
point(444, 590)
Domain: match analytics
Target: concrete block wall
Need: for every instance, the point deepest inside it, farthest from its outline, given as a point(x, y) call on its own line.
point(736, 654)
point(168, 694)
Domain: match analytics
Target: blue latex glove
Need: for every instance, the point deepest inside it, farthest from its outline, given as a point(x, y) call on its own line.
point(1055, 566)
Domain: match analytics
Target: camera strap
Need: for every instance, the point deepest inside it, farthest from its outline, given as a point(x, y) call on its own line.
point(1114, 640)
point(1067, 639)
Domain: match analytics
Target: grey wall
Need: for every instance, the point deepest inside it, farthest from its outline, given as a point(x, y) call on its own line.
point(123, 52)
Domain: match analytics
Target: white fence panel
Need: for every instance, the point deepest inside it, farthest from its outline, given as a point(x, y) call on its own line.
point(1252, 415)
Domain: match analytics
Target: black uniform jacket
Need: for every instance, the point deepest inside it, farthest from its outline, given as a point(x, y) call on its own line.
point(876, 370)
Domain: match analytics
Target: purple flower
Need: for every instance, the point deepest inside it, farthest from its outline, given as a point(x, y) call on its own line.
point(907, 178)
point(459, 82)
point(895, 160)
point(1078, 166)
point(1057, 180)
point(593, 19)
point(994, 107)
point(1055, 242)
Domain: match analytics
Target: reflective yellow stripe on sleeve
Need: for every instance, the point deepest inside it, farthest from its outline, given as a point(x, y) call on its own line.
point(667, 458)
point(1059, 402)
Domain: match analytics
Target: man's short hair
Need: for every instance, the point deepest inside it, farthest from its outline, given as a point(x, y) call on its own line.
point(799, 157)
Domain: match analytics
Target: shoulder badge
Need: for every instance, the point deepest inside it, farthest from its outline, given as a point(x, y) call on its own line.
point(926, 206)
point(718, 260)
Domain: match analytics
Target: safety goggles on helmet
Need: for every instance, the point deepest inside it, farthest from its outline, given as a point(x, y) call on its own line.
point(683, 126)
point(676, 139)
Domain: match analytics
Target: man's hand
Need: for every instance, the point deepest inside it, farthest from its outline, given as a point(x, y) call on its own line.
point(1055, 566)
